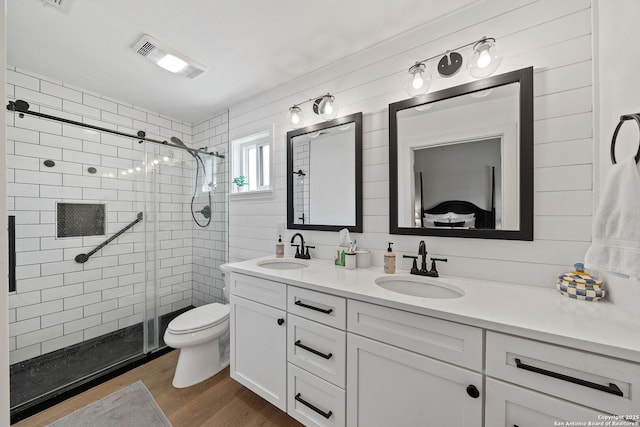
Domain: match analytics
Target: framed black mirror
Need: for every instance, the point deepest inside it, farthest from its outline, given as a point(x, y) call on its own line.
point(324, 175)
point(461, 160)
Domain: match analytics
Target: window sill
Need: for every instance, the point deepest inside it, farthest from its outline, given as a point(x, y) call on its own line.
point(247, 195)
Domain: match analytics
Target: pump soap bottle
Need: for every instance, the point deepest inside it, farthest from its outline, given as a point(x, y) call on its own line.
point(389, 261)
point(280, 247)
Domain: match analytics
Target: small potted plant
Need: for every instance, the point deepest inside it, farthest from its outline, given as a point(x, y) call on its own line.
point(240, 182)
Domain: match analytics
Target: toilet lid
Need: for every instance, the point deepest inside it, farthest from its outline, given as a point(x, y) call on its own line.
point(199, 318)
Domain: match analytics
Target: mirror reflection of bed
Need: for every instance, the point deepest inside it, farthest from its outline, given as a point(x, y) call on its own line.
point(458, 185)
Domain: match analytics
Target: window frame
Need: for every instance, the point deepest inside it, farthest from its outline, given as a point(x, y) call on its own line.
point(240, 159)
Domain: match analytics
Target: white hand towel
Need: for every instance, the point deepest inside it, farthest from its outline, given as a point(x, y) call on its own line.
point(615, 243)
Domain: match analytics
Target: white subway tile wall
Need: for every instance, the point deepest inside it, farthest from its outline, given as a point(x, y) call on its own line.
point(59, 302)
point(210, 245)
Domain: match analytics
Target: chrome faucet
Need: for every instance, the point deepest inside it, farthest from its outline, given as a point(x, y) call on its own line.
point(422, 251)
point(300, 249)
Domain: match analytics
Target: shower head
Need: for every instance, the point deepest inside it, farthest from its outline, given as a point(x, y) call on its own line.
point(177, 141)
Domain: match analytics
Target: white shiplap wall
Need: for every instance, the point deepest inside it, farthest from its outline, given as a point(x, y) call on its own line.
point(553, 37)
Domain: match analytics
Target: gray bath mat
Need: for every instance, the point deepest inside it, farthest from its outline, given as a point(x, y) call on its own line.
point(133, 406)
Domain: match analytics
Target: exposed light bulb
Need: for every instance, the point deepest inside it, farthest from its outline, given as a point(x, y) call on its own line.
point(130, 170)
point(156, 161)
point(326, 107)
point(419, 80)
point(124, 172)
point(296, 118)
point(485, 59)
point(165, 158)
point(138, 169)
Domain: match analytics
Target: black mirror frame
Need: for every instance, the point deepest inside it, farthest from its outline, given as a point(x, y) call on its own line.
point(525, 78)
point(352, 118)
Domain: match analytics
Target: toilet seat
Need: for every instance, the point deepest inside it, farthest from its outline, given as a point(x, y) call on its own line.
point(199, 318)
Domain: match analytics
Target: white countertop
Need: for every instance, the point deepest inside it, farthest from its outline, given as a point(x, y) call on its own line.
point(536, 313)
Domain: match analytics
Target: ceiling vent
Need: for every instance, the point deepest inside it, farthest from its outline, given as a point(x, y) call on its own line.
point(165, 57)
point(59, 5)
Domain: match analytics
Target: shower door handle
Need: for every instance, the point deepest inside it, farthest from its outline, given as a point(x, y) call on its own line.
point(12, 252)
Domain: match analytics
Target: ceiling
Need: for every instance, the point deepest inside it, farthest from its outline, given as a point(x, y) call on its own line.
point(248, 46)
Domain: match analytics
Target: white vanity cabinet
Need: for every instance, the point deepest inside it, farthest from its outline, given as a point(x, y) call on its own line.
point(577, 385)
point(328, 358)
point(258, 337)
point(399, 382)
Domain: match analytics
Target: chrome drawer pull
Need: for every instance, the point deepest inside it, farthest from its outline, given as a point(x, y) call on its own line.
point(327, 415)
point(321, 310)
point(611, 388)
point(316, 352)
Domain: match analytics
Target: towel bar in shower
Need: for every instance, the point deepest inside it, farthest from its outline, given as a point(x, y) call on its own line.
point(82, 258)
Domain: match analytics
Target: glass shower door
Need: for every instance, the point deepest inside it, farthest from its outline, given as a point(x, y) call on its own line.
point(169, 239)
point(78, 307)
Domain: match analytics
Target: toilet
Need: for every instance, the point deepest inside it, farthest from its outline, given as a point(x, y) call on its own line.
point(197, 333)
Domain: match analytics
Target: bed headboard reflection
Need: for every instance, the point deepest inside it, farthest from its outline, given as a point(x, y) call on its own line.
point(484, 219)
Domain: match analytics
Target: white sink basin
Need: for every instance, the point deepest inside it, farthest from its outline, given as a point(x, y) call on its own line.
point(283, 263)
point(418, 286)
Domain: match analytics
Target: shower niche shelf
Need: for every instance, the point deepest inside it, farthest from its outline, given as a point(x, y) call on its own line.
point(80, 219)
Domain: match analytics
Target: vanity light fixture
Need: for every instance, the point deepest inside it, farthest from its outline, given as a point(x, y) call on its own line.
point(325, 106)
point(484, 61)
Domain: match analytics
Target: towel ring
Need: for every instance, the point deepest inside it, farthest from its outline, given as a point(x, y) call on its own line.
point(623, 119)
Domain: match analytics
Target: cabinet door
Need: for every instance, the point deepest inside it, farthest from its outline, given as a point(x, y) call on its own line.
point(387, 386)
point(509, 405)
point(259, 349)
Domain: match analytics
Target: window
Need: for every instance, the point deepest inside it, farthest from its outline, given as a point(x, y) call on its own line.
point(251, 164)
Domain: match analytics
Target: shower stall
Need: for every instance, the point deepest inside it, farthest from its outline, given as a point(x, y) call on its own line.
point(113, 234)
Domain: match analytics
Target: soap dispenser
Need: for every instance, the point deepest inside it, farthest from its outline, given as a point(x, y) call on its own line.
point(389, 260)
point(280, 247)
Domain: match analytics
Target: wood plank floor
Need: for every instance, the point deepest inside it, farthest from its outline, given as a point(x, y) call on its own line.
point(219, 401)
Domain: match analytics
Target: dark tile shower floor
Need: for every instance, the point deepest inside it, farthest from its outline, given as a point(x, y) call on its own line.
point(52, 373)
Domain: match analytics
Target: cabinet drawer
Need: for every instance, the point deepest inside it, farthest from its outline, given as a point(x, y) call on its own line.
point(592, 380)
point(508, 405)
point(312, 401)
point(448, 341)
point(260, 290)
point(317, 348)
point(323, 308)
